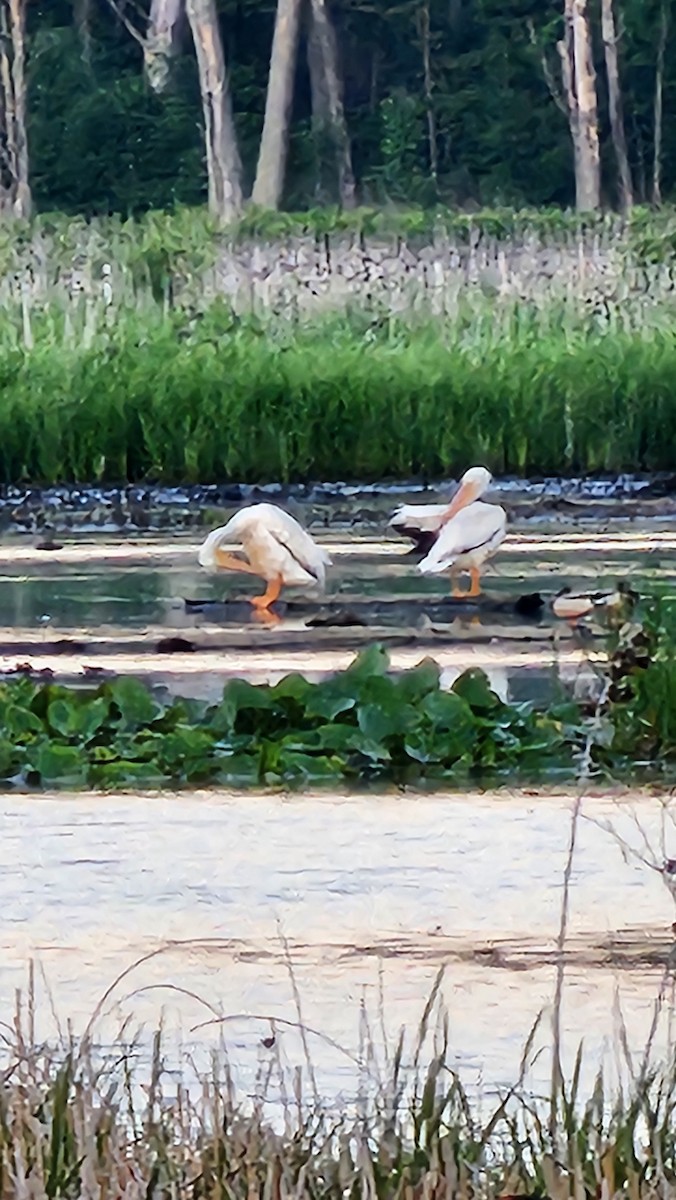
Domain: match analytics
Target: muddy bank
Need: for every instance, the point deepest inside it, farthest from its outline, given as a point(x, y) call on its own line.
point(46, 511)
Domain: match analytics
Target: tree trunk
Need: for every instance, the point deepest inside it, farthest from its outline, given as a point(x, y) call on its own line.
point(424, 22)
point(328, 113)
point(15, 193)
point(163, 40)
point(579, 81)
point(223, 162)
point(657, 107)
point(615, 104)
point(82, 16)
point(269, 183)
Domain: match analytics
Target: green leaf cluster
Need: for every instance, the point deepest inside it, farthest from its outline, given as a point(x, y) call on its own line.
point(362, 724)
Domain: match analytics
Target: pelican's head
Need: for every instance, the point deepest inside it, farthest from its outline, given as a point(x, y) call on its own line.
point(473, 484)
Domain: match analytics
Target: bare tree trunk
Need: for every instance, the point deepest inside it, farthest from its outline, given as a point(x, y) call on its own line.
point(82, 14)
point(328, 112)
point(269, 182)
point(321, 121)
point(163, 40)
point(224, 167)
point(429, 102)
point(615, 104)
point(15, 193)
point(579, 81)
point(657, 108)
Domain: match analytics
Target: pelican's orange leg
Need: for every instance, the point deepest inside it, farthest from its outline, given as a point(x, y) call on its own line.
point(269, 595)
point(475, 589)
point(455, 589)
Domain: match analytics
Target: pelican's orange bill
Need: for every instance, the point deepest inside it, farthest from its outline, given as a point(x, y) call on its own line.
point(466, 493)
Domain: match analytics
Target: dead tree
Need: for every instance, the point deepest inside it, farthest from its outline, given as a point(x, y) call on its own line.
point(615, 104)
point(658, 105)
point(328, 113)
point(579, 84)
point(15, 192)
point(166, 22)
point(82, 14)
point(270, 171)
point(224, 167)
point(578, 101)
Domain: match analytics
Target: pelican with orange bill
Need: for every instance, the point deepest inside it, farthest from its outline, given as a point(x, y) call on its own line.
point(469, 533)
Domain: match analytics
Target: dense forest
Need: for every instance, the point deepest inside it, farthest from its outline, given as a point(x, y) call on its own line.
point(125, 105)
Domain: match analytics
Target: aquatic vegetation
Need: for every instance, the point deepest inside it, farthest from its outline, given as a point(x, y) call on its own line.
point(642, 691)
point(81, 1123)
point(362, 725)
point(209, 397)
point(359, 725)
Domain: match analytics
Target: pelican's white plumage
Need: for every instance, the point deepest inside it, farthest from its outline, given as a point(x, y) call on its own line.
point(467, 540)
point(425, 517)
point(277, 548)
point(469, 531)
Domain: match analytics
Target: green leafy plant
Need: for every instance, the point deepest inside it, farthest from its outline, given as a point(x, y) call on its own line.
point(642, 691)
point(178, 399)
point(362, 724)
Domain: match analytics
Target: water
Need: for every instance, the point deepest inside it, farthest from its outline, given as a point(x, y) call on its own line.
point(371, 891)
point(117, 599)
point(90, 885)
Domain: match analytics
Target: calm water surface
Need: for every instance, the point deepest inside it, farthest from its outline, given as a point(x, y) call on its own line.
point(368, 892)
point(90, 885)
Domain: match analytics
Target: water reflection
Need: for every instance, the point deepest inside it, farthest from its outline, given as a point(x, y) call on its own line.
point(135, 584)
point(91, 885)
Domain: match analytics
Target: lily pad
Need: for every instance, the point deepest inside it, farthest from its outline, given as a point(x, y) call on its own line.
point(80, 721)
point(64, 764)
point(136, 703)
point(474, 687)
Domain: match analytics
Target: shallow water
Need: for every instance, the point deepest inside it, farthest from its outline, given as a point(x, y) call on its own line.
point(90, 885)
point(133, 584)
point(103, 593)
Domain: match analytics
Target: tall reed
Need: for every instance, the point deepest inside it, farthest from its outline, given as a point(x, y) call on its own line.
point(202, 397)
point(75, 1123)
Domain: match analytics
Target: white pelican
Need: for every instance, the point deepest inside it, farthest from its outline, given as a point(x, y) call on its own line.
point(277, 548)
point(469, 533)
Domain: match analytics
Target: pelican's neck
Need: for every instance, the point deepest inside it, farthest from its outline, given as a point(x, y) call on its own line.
point(466, 494)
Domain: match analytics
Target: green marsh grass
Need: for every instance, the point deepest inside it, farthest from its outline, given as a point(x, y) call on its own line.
point(163, 379)
point(176, 397)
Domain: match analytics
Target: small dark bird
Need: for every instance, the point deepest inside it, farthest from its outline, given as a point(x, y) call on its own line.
point(268, 1042)
point(529, 605)
point(174, 645)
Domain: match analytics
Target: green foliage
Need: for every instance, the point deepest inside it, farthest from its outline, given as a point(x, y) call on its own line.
point(359, 725)
point(643, 683)
point(488, 121)
point(180, 399)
